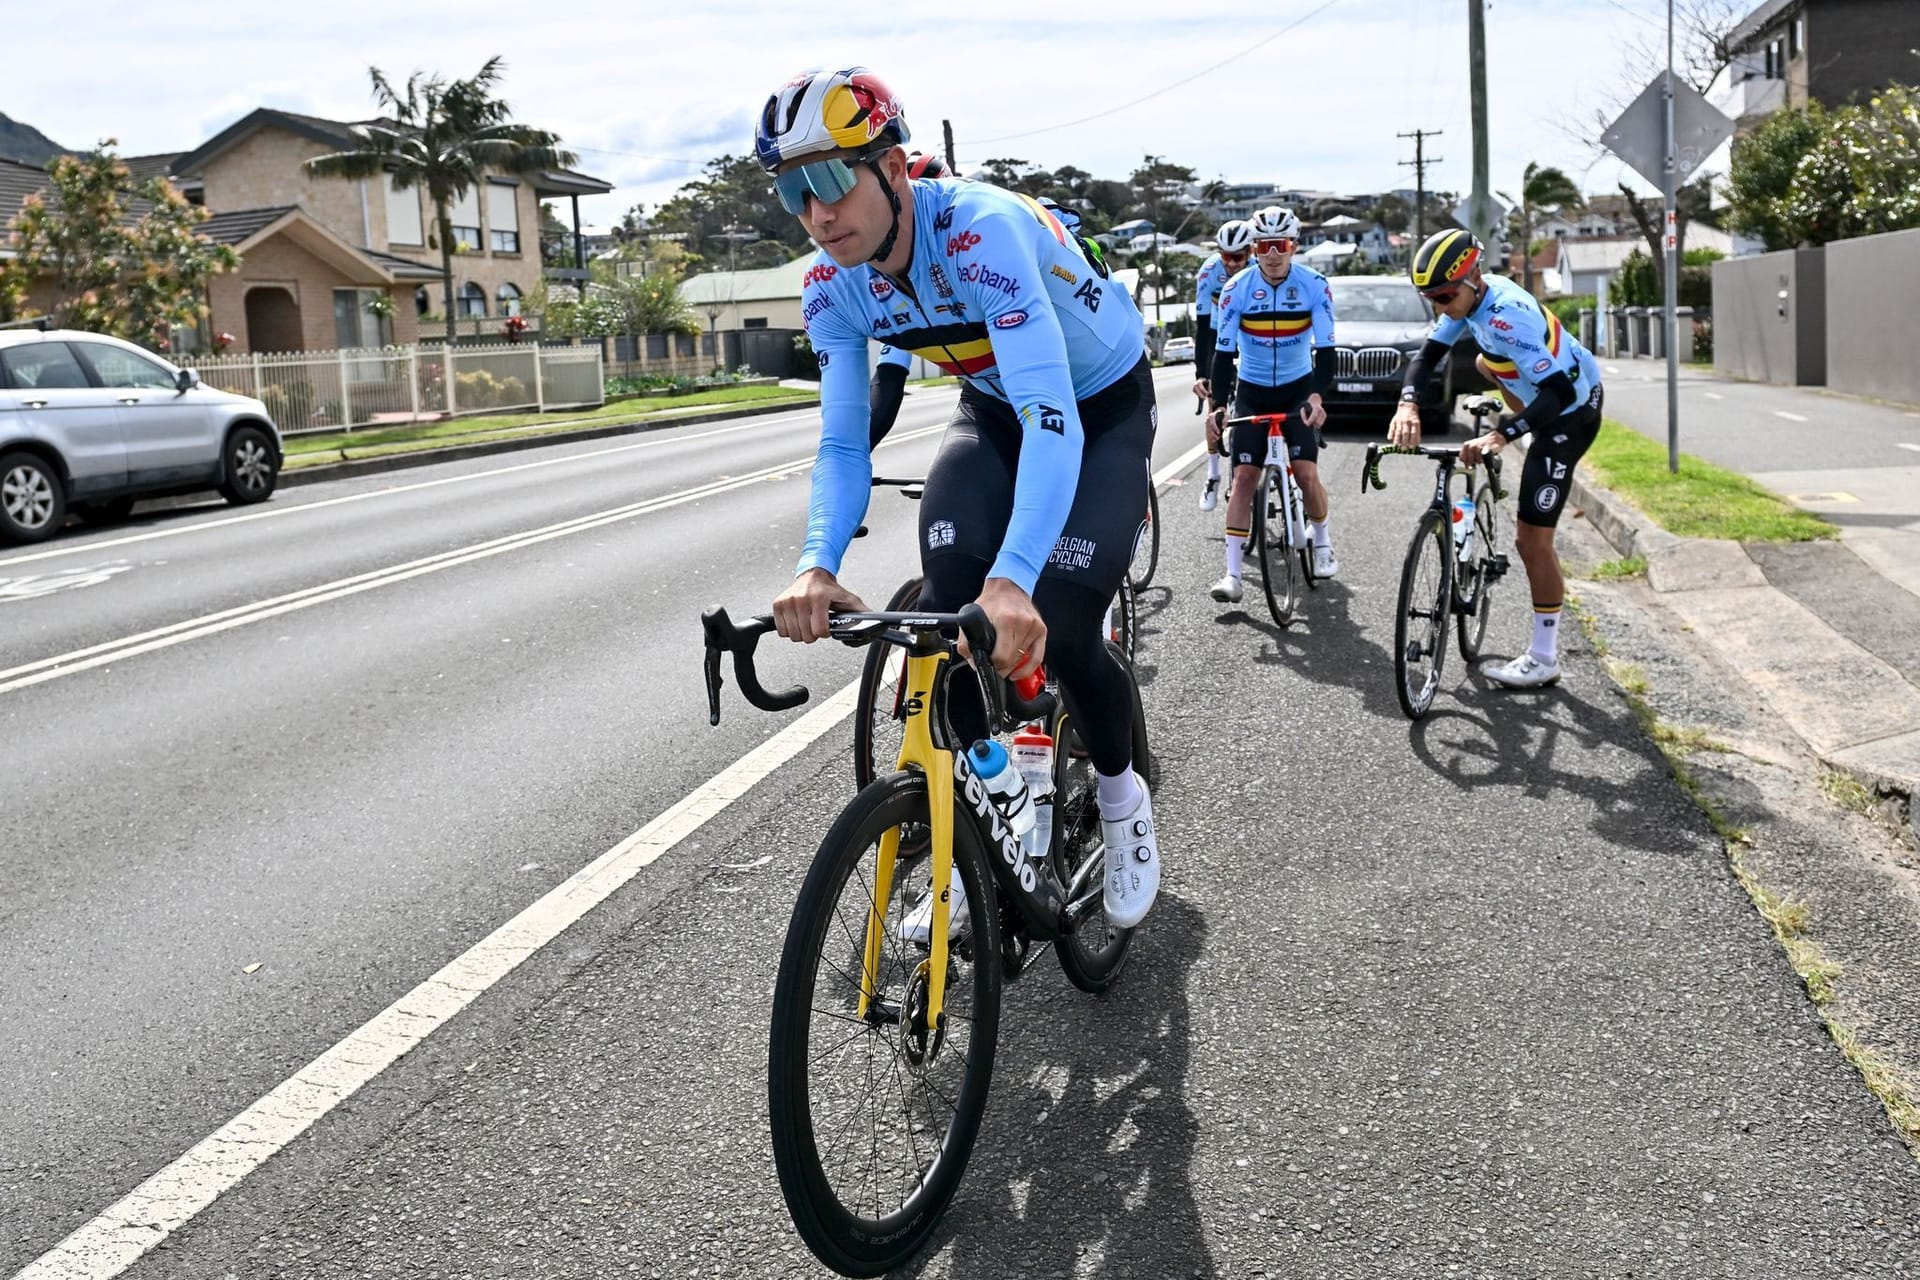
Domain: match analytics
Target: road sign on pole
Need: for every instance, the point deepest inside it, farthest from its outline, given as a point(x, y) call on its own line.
point(1639, 136)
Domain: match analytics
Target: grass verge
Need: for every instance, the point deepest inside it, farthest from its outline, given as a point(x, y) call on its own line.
point(337, 446)
point(1700, 500)
point(1788, 919)
point(1624, 567)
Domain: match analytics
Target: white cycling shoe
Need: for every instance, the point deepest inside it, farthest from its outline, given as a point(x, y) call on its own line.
point(1228, 590)
point(1133, 863)
point(1525, 672)
point(916, 929)
point(1324, 565)
point(1210, 496)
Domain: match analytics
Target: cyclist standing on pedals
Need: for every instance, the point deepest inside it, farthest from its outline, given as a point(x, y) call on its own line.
point(889, 385)
point(1551, 387)
point(1032, 503)
point(1232, 242)
point(1276, 316)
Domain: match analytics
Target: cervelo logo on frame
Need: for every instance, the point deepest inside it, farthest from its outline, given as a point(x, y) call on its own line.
point(819, 273)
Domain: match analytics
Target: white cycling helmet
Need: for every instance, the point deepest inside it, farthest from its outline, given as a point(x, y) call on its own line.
point(1234, 237)
point(1275, 223)
point(823, 112)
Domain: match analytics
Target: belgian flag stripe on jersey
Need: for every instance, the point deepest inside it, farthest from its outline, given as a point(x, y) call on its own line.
point(1290, 325)
point(1553, 335)
point(956, 348)
point(1502, 368)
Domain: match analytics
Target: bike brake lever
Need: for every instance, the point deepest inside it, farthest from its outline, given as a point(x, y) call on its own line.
point(1370, 474)
point(724, 635)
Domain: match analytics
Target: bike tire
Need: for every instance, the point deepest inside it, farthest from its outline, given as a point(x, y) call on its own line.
point(1126, 620)
point(1420, 626)
point(1279, 564)
point(1473, 605)
point(877, 727)
point(1146, 544)
point(1077, 839)
point(844, 1236)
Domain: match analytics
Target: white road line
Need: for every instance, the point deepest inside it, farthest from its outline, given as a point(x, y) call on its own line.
point(1713, 395)
point(1904, 445)
point(270, 513)
point(168, 1200)
point(1790, 417)
point(1613, 368)
point(124, 1232)
point(109, 651)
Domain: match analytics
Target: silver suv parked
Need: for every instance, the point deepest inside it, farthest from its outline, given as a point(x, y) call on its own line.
point(89, 423)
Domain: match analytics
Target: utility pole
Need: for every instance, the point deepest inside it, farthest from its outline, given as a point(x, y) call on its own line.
point(946, 128)
point(1419, 165)
point(1480, 202)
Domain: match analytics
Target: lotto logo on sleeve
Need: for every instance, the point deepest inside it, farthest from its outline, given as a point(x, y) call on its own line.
point(1011, 320)
point(819, 274)
point(961, 242)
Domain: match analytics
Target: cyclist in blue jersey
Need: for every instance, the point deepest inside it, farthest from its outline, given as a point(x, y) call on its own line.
point(1537, 364)
point(1233, 242)
point(1276, 317)
point(1033, 502)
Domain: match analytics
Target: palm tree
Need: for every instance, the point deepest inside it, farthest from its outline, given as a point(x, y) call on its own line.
point(1541, 187)
point(444, 136)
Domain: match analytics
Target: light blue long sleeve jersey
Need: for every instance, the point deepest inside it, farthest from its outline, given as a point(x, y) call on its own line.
point(1274, 328)
point(1524, 343)
point(999, 294)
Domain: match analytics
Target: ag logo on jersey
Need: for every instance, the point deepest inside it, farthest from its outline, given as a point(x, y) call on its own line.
point(945, 219)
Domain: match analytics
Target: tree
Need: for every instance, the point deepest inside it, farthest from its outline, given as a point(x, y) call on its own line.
point(445, 136)
point(649, 303)
point(1761, 180)
point(1393, 213)
point(122, 260)
point(1692, 202)
point(1807, 177)
point(733, 198)
point(1015, 175)
point(1157, 184)
point(1541, 187)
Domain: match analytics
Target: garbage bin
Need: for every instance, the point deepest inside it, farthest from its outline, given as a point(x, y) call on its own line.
point(1683, 335)
point(1586, 328)
point(1636, 331)
point(1657, 332)
point(1616, 332)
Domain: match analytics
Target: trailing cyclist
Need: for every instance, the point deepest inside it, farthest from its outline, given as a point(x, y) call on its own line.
point(1276, 317)
point(1233, 242)
point(1537, 364)
point(1032, 504)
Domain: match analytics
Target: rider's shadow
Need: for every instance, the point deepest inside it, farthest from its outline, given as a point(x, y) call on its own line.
point(1327, 646)
point(1084, 1162)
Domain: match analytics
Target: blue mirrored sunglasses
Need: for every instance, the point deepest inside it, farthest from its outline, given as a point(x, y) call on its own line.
point(826, 180)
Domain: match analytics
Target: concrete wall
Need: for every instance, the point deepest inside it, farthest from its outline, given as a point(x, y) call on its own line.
point(1855, 47)
point(1872, 283)
point(1769, 315)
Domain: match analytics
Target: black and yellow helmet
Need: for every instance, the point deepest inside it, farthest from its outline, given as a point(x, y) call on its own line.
point(1446, 258)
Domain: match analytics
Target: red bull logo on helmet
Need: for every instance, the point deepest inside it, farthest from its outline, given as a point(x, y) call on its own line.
point(858, 112)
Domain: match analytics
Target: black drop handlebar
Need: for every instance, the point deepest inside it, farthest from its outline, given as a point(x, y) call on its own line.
point(1005, 705)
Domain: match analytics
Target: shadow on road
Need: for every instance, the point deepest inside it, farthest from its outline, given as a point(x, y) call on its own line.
point(1084, 1166)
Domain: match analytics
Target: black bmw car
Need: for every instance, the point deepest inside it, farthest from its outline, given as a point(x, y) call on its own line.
point(1380, 322)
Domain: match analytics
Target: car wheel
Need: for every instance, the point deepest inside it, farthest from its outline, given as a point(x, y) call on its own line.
point(251, 467)
point(104, 510)
point(33, 503)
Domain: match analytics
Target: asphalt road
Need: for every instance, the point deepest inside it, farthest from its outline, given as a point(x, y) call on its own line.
point(1475, 997)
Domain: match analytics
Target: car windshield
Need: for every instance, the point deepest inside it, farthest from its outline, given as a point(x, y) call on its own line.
point(1393, 301)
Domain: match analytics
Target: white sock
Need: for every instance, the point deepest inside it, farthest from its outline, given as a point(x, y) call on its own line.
point(1320, 538)
point(1236, 548)
point(1213, 465)
point(1546, 633)
point(1118, 796)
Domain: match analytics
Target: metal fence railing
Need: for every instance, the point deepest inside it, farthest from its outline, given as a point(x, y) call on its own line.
point(342, 390)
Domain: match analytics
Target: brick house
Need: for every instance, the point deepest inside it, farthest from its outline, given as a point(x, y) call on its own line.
point(316, 253)
point(1786, 53)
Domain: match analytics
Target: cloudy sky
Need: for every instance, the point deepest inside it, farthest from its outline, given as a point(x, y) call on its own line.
point(1309, 93)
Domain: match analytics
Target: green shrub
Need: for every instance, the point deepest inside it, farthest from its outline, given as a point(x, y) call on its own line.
point(476, 390)
point(512, 391)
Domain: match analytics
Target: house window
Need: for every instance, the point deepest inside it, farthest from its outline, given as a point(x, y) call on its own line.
point(508, 296)
point(1796, 37)
point(466, 221)
point(1775, 67)
point(358, 319)
point(422, 301)
point(473, 300)
point(403, 214)
point(503, 217)
point(754, 322)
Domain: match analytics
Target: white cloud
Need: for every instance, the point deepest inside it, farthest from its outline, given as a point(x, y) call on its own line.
point(646, 95)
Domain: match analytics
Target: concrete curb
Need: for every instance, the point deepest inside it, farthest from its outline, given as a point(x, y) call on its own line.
point(1715, 572)
point(455, 453)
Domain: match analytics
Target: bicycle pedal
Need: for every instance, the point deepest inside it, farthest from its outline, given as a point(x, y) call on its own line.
point(1495, 567)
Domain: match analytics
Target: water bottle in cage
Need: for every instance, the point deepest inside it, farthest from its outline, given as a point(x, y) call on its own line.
point(1463, 515)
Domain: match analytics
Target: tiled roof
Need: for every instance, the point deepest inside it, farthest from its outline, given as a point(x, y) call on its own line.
point(405, 268)
point(241, 225)
point(17, 182)
point(144, 167)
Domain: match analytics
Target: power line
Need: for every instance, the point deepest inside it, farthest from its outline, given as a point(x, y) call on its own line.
point(1101, 115)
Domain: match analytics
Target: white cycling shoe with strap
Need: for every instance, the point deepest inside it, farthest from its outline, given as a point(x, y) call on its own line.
point(1133, 862)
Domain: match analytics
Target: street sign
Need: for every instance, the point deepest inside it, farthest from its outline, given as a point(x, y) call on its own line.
point(1639, 136)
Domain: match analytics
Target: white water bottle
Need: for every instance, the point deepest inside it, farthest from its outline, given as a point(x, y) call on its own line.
point(1463, 513)
point(1004, 783)
point(1033, 757)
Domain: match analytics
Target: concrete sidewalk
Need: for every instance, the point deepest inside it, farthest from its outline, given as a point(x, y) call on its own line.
point(1828, 635)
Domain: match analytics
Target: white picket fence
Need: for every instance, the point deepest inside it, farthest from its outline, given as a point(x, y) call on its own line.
point(341, 390)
